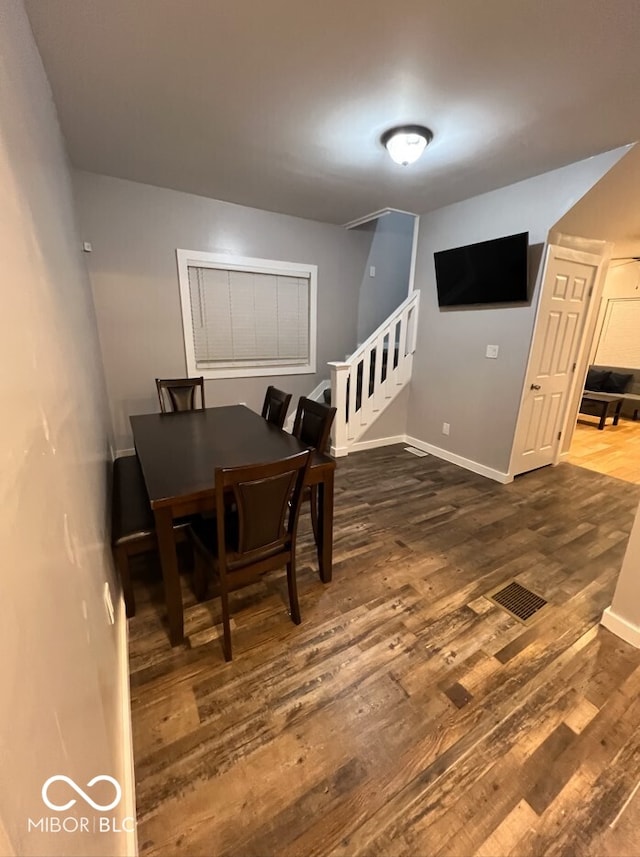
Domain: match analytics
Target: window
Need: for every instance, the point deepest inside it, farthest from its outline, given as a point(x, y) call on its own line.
point(618, 344)
point(244, 317)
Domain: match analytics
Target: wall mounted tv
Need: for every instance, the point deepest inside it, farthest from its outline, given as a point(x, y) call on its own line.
point(490, 272)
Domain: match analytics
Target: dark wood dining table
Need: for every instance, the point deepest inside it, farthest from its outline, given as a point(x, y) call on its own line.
point(179, 453)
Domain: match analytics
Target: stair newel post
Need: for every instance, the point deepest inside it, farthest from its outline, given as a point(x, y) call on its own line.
point(339, 376)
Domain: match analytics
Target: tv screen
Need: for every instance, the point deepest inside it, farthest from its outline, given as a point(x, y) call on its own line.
point(489, 272)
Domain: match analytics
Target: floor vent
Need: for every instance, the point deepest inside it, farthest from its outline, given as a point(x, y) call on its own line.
point(517, 600)
point(415, 451)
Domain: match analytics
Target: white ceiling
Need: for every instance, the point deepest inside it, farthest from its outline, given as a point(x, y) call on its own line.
point(279, 104)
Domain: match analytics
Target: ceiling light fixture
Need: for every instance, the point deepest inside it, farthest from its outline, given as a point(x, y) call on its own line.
point(406, 143)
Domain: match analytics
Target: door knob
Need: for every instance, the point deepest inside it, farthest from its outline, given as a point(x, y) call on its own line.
point(535, 387)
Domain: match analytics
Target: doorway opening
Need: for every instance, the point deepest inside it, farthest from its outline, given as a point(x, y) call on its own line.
point(606, 438)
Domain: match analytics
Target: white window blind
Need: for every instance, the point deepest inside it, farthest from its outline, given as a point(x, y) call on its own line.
point(242, 316)
point(619, 343)
point(247, 316)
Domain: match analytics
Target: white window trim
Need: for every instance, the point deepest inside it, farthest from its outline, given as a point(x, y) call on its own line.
point(201, 259)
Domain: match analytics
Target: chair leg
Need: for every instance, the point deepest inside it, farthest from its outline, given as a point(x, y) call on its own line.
point(292, 584)
point(122, 563)
point(226, 624)
point(313, 502)
point(200, 576)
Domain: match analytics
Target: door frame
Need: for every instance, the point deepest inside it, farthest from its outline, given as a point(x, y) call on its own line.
point(591, 252)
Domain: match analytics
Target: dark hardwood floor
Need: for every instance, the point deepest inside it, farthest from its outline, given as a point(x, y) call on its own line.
point(407, 714)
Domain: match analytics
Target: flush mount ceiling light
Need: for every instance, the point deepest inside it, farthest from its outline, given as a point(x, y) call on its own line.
point(406, 143)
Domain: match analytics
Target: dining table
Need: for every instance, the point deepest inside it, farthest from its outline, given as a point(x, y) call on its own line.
point(179, 453)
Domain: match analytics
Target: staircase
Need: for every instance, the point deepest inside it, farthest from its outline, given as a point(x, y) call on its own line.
point(365, 384)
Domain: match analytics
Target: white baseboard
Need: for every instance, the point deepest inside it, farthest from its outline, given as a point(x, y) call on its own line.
point(467, 463)
point(121, 452)
point(622, 628)
point(128, 776)
point(376, 442)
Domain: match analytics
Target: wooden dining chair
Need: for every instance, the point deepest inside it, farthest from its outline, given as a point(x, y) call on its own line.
point(276, 405)
point(179, 393)
point(254, 534)
point(312, 425)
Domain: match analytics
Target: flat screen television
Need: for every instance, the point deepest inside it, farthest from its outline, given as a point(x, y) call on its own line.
point(489, 272)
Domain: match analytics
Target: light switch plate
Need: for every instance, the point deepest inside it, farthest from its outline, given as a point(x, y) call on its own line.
point(492, 351)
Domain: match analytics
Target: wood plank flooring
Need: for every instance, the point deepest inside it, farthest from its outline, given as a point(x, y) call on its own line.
point(407, 714)
point(614, 451)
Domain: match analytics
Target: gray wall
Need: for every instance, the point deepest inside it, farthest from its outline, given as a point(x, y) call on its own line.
point(452, 379)
point(392, 421)
point(390, 254)
point(135, 230)
point(63, 666)
point(611, 210)
point(624, 616)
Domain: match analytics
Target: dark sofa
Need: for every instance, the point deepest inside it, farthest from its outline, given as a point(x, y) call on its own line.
point(617, 381)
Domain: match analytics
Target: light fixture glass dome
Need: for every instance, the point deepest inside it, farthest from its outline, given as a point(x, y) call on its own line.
point(407, 143)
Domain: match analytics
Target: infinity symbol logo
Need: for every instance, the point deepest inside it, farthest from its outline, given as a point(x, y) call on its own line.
point(83, 795)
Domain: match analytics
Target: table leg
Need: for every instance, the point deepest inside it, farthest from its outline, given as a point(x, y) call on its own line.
point(603, 415)
point(170, 575)
point(616, 415)
point(325, 527)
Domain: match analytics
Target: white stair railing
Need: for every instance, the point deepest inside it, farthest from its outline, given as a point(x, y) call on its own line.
point(363, 386)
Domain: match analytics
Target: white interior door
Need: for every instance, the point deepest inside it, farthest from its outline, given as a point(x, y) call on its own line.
point(566, 290)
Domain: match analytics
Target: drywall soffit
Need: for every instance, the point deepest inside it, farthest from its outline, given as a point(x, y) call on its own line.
point(376, 215)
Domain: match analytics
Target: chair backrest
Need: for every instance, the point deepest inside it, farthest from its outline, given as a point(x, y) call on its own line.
point(276, 405)
point(179, 393)
point(313, 423)
point(262, 527)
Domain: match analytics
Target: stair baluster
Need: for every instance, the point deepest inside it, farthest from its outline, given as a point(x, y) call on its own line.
point(363, 385)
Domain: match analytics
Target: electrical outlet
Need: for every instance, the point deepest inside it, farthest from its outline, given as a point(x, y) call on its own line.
point(372, 270)
point(445, 428)
point(492, 351)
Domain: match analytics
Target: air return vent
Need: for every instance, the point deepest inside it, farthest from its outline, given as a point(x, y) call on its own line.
point(517, 600)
